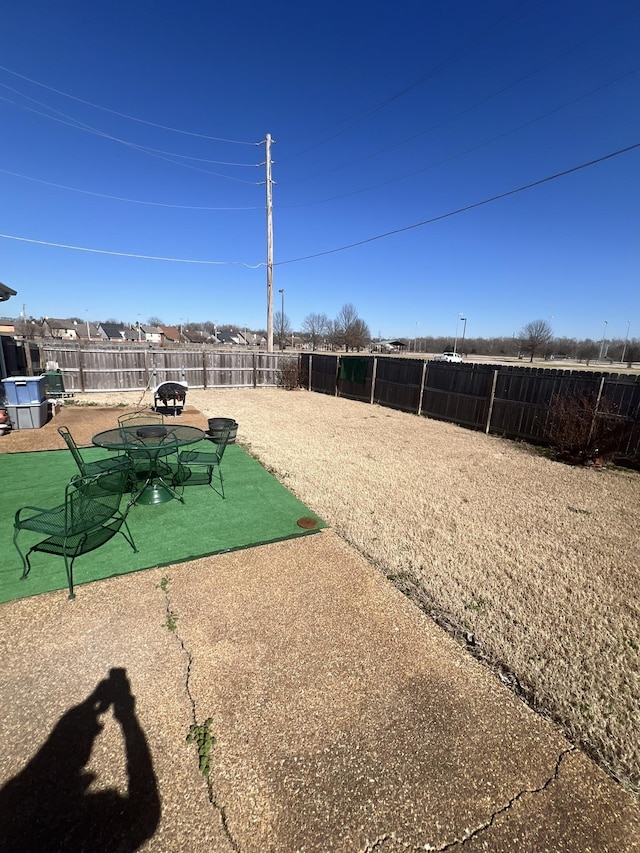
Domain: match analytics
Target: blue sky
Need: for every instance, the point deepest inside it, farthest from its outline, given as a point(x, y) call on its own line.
point(138, 129)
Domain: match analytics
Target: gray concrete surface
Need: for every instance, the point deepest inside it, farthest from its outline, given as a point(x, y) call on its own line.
point(343, 719)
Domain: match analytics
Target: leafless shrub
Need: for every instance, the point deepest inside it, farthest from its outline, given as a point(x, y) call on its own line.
point(583, 428)
point(288, 374)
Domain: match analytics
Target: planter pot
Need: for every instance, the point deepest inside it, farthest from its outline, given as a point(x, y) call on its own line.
point(216, 427)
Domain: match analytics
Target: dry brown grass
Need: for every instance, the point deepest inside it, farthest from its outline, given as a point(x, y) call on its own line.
point(534, 561)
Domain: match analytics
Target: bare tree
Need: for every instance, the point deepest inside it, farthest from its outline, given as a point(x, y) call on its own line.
point(535, 335)
point(316, 326)
point(349, 330)
point(155, 321)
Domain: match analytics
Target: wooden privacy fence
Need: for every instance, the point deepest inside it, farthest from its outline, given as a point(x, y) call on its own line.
point(506, 400)
point(122, 368)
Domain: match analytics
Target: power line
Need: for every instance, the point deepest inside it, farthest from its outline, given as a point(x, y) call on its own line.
point(124, 115)
point(130, 254)
point(477, 104)
point(467, 150)
point(87, 128)
point(480, 37)
point(467, 207)
point(119, 198)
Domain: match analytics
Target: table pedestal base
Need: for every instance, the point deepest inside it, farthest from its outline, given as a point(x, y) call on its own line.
point(154, 494)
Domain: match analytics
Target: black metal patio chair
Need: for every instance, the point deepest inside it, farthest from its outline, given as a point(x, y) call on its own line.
point(89, 517)
point(88, 469)
point(198, 467)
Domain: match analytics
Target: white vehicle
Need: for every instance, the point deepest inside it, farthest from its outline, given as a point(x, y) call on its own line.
point(449, 356)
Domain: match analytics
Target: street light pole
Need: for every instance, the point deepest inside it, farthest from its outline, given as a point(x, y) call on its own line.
point(604, 340)
point(626, 340)
point(415, 339)
point(455, 343)
point(464, 332)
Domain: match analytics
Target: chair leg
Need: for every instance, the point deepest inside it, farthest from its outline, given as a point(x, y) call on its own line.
point(68, 564)
point(26, 566)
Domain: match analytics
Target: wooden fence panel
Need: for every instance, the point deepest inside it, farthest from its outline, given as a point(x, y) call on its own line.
point(109, 369)
point(458, 393)
point(523, 396)
point(323, 373)
point(267, 366)
point(176, 365)
point(398, 383)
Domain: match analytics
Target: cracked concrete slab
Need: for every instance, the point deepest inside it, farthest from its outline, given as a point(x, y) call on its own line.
point(343, 718)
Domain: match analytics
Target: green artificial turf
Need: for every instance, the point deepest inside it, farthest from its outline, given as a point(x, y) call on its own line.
point(257, 510)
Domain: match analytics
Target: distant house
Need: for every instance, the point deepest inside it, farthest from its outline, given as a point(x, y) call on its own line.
point(7, 326)
point(66, 330)
point(111, 331)
point(171, 334)
point(228, 337)
point(151, 334)
point(196, 336)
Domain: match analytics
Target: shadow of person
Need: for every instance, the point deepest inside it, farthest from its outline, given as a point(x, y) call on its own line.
point(47, 806)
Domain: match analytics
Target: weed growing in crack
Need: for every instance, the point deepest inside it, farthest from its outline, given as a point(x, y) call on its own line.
point(164, 583)
point(200, 734)
point(172, 621)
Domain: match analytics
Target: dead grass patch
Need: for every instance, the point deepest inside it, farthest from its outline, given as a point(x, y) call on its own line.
point(533, 564)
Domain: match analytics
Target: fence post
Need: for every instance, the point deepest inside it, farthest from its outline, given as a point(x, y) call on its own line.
point(424, 374)
point(337, 372)
point(310, 369)
point(80, 369)
point(491, 399)
point(205, 383)
point(595, 410)
point(374, 373)
point(255, 369)
point(27, 352)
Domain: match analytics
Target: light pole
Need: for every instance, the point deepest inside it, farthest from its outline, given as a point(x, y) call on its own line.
point(282, 343)
point(455, 343)
point(626, 339)
point(415, 338)
point(86, 316)
point(464, 332)
point(139, 330)
point(604, 340)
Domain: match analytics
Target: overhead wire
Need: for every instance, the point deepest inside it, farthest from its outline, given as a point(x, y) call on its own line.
point(125, 115)
point(467, 207)
point(129, 254)
point(467, 150)
point(408, 88)
point(80, 125)
point(120, 198)
point(402, 230)
point(454, 116)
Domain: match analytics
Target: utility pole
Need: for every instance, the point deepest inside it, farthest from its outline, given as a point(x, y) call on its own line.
point(269, 244)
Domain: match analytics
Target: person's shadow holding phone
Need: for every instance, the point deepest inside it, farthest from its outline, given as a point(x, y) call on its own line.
point(46, 807)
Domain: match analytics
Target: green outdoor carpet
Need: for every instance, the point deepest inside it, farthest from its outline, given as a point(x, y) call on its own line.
point(257, 510)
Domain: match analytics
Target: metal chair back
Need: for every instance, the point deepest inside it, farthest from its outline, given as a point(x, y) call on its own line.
point(89, 517)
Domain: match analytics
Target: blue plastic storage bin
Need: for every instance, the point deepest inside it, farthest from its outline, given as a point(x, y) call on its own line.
point(24, 390)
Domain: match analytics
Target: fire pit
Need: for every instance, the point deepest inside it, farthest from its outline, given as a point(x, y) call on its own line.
point(170, 392)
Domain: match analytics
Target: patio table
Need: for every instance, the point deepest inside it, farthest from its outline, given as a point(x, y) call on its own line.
point(152, 443)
